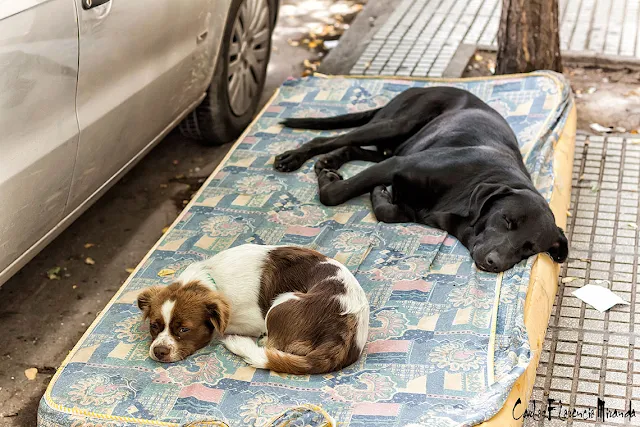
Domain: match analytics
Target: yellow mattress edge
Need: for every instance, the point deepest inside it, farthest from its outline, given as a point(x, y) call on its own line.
point(543, 283)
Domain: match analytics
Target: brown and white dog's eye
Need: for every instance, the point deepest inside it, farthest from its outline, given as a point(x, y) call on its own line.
point(154, 327)
point(184, 330)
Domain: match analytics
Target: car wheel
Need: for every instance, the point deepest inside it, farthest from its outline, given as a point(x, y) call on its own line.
point(239, 76)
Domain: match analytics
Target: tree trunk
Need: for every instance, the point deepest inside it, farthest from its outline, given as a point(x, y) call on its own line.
point(529, 37)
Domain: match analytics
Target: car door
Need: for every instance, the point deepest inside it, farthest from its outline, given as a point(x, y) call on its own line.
point(38, 127)
point(141, 66)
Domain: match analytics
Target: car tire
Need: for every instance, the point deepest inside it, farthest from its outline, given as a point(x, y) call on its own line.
point(239, 76)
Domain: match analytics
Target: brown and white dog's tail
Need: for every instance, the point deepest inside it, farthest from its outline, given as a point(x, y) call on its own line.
point(276, 360)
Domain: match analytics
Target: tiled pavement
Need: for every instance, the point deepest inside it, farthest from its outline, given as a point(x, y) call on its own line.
point(588, 354)
point(421, 37)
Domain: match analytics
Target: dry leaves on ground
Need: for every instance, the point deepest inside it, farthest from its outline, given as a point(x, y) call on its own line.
point(31, 373)
point(53, 273)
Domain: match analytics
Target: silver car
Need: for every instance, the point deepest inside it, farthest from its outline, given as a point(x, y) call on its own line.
point(87, 87)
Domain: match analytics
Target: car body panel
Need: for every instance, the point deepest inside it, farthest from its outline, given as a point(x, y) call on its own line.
point(38, 126)
point(59, 169)
point(136, 74)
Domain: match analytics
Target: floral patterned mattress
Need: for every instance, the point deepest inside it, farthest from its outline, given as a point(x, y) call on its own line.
point(446, 344)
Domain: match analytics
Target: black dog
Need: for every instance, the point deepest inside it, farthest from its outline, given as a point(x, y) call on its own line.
point(453, 163)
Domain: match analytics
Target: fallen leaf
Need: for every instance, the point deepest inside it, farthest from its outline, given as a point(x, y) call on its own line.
point(599, 128)
point(568, 279)
point(293, 43)
point(129, 270)
point(569, 214)
point(180, 176)
point(634, 141)
point(74, 286)
point(595, 188)
point(367, 65)
point(89, 261)
point(163, 185)
point(31, 373)
point(634, 131)
point(620, 129)
point(313, 66)
point(89, 245)
point(581, 178)
point(165, 229)
point(633, 225)
point(53, 273)
point(166, 272)
point(591, 90)
point(585, 260)
point(477, 57)
point(635, 92)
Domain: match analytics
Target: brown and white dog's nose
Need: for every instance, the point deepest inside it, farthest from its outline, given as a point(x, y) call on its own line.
point(161, 351)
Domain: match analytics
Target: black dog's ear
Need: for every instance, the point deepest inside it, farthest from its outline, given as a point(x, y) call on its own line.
point(480, 197)
point(145, 297)
point(559, 251)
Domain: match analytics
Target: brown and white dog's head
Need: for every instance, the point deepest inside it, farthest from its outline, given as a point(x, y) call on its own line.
point(182, 318)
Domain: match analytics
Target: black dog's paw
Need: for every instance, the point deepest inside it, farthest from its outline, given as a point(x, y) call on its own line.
point(289, 161)
point(327, 176)
point(381, 194)
point(321, 164)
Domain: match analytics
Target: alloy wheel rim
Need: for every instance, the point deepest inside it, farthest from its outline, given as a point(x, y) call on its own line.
point(248, 54)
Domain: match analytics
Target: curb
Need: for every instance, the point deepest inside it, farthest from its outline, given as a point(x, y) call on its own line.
point(589, 59)
point(341, 59)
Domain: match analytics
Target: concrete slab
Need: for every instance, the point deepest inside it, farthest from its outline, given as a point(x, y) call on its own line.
point(605, 31)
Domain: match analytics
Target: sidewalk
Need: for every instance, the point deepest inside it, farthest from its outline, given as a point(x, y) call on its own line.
point(421, 37)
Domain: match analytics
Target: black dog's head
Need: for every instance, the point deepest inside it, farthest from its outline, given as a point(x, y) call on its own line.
point(511, 225)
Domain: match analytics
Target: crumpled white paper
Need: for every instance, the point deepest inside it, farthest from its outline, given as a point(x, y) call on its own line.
point(601, 298)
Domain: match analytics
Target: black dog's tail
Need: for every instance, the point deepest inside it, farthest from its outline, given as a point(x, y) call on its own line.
point(336, 122)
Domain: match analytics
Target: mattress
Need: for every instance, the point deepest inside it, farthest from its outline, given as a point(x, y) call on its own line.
point(448, 346)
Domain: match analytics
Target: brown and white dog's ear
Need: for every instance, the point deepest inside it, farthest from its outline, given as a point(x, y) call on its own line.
point(218, 312)
point(145, 297)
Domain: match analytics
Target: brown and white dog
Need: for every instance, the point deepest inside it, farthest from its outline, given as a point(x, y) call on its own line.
point(313, 310)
